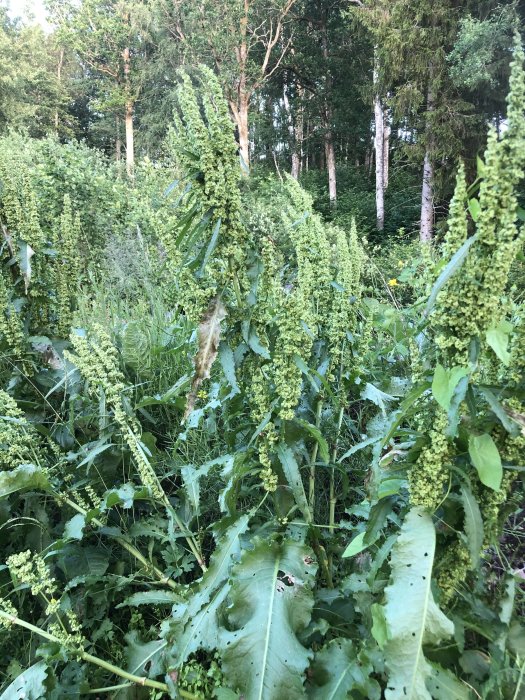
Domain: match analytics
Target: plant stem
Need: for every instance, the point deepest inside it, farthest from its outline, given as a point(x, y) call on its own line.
point(333, 499)
point(129, 548)
point(313, 458)
point(138, 680)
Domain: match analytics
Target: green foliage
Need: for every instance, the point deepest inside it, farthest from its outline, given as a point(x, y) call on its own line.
point(270, 471)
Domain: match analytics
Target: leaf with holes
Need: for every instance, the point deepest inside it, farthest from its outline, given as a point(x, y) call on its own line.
point(194, 624)
point(272, 603)
point(412, 616)
point(338, 669)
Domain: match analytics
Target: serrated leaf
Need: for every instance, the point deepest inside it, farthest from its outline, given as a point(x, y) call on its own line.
point(139, 654)
point(473, 525)
point(444, 685)
point(74, 528)
point(338, 670)
point(412, 616)
point(271, 603)
point(380, 398)
point(26, 476)
point(194, 623)
point(29, 685)
point(498, 339)
point(486, 458)
point(293, 477)
point(444, 383)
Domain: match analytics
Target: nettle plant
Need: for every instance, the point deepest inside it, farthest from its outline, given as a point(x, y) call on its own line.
point(305, 511)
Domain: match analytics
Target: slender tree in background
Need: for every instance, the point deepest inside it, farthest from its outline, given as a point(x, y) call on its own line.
point(107, 38)
point(243, 40)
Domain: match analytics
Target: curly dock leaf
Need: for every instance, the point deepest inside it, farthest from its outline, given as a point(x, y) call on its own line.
point(209, 338)
point(271, 603)
point(412, 616)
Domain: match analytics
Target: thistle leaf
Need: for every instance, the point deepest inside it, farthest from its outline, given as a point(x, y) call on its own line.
point(209, 338)
point(194, 624)
point(411, 614)
point(338, 669)
point(271, 604)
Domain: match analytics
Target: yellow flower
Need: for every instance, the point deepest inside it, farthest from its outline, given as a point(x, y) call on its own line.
point(392, 282)
point(202, 394)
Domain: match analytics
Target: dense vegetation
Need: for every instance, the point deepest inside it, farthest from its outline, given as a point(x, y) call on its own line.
point(255, 443)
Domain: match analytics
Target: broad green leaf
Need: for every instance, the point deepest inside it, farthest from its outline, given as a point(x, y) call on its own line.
point(194, 623)
point(293, 477)
point(498, 410)
point(271, 603)
point(486, 458)
point(474, 208)
point(473, 524)
point(411, 614)
point(379, 626)
point(29, 685)
point(74, 528)
point(140, 654)
point(356, 545)
point(450, 269)
point(444, 383)
point(444, 685)
point(390, 487)
point(338, 670)
point(227, 360)
point(26, 476)
point(498, 339)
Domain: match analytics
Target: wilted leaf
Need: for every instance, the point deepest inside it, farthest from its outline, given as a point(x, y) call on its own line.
point(412, 616)
point(486, 458)
point(209, 337)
